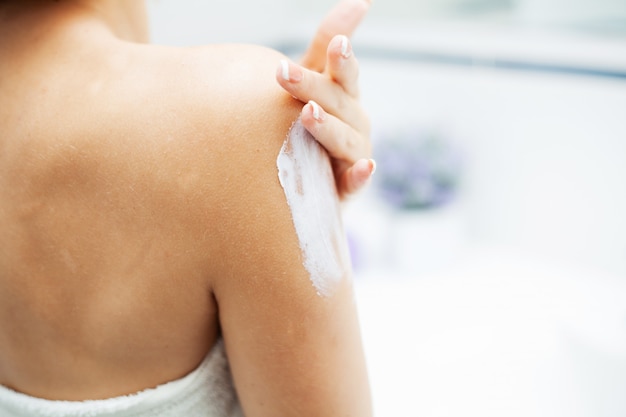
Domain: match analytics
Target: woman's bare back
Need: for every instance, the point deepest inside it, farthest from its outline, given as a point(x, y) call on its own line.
point(115, 165)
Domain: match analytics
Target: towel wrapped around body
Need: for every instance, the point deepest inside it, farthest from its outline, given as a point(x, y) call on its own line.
point(205, 392)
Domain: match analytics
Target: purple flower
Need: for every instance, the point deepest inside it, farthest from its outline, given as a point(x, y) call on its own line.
point(417, 170)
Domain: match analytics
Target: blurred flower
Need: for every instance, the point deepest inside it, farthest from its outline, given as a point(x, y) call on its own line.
point(416, 170)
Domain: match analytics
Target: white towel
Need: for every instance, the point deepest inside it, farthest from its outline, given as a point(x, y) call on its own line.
point(205, 392)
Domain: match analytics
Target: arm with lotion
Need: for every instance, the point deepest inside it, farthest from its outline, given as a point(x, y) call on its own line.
point(284, 292)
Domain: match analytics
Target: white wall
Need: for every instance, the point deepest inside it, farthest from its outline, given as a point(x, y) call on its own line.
point(193, 22)
point(264, 21)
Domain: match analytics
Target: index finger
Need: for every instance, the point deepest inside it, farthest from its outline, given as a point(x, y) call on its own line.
point(343, 19)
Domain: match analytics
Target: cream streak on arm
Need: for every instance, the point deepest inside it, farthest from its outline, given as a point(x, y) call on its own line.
point(306, 176)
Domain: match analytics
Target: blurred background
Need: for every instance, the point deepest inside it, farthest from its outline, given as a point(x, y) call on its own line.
point(490, 250)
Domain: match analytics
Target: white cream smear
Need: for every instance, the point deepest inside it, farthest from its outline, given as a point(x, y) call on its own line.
point(305, 173)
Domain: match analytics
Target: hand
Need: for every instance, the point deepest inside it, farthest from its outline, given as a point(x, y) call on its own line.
point(333, 113)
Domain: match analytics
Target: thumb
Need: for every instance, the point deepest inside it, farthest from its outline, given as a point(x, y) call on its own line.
point(343, 19)
point(356, 177)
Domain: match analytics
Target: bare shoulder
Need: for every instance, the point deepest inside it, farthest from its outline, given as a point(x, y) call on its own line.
point(221, 104)
point(188, 137)
point(213, 120)
point(229, 119)
point(219, 86)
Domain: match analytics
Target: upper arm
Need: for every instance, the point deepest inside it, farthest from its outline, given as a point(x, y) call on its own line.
point(292, 350)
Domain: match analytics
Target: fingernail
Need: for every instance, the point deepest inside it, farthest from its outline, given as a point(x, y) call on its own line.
point(290, 72)
point(346, 51)
point(284, 66)
point(318, 113)
point(372, 166)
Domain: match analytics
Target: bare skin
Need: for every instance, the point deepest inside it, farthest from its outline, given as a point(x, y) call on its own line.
point(142, 216)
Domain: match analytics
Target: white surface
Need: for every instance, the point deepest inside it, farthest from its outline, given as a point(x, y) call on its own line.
point(486, 42)
point(497, 334)
point(189, 21)
point(526, 316)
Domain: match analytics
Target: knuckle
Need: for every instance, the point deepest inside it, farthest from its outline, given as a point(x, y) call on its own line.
point(351, 142)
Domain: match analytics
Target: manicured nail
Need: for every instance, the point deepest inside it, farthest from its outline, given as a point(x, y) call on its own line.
point(284, 65)
point(318, 114)
point(373, 167)
point(290, 72)
point(346, 52)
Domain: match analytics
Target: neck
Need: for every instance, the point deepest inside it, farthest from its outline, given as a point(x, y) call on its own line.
point(124, 19)
point(127, 19)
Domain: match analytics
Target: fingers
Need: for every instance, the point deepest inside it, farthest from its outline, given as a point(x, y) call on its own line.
point(342, 141)
point(338, 122)
point(343, 18)
point(342, 65)
point(356, 177)
point(306, 85)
